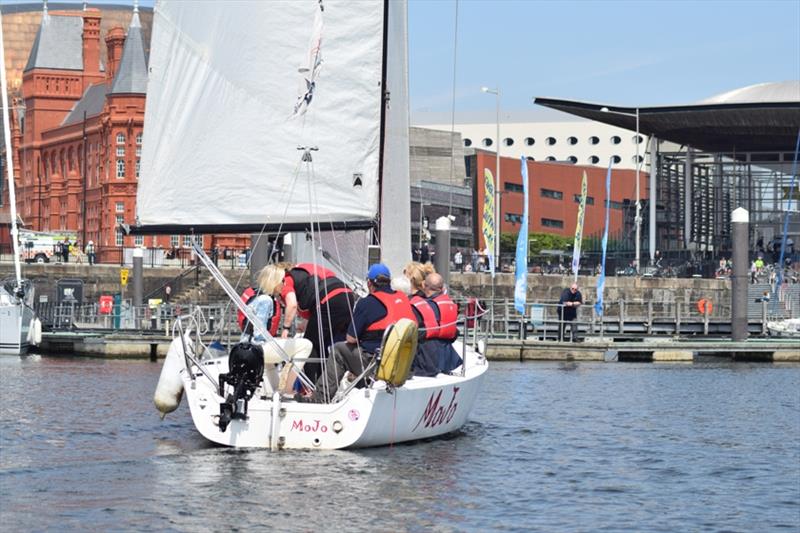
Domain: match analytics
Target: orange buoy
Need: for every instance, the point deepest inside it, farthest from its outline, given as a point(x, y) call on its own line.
point(704, 305)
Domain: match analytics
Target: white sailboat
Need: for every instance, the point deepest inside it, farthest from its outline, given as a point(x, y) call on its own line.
point(19, 327)
point(232, 144)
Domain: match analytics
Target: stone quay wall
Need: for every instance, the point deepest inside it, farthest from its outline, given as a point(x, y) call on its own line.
point(104, 279)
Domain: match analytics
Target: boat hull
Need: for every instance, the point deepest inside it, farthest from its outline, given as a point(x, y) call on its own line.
point(375, 416)
point(16, 321)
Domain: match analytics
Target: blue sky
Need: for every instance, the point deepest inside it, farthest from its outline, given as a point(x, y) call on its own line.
point(623, 52)
point(631, 52)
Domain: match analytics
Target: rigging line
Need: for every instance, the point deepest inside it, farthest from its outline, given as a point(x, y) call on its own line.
point(312, 205)
point(453, 117)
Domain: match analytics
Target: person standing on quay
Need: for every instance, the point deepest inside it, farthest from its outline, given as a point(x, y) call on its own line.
point(90, 253)
point(458, 260)
point(569, 302)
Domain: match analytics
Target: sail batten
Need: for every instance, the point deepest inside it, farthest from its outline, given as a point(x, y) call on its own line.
point(221, 142)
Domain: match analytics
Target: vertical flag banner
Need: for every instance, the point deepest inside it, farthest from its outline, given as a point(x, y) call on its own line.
point(779, 276)
point(576, 248)
point(521, 271)
point(488, 225)
point(601, 279)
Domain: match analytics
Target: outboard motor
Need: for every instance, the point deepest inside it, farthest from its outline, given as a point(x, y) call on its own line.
point(245, 374)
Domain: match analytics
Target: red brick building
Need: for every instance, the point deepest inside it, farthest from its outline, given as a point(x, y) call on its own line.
point(77, 132)
point(554, 193)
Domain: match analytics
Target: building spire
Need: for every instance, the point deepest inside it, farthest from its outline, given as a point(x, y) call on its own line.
point(131, 73)
point(44, 7)
point(85, 5)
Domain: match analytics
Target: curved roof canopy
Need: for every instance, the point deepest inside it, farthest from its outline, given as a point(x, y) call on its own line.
point(759, 118)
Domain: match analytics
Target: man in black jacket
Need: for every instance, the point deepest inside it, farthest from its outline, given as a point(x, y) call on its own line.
point(569, 302)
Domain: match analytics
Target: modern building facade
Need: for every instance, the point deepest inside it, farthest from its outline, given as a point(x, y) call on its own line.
point(554, 191)
point(557, 137)
point(736, 149)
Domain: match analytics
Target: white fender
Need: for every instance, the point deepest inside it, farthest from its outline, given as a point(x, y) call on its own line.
point(35, 332)
point(169, 390)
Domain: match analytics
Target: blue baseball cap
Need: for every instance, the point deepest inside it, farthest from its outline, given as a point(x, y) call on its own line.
point(376, 271)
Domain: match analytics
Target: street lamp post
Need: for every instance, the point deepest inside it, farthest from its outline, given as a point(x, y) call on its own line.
point(496, 250)
point(637, 221)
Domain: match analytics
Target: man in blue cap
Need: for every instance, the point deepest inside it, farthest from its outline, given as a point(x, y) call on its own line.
point(371, 316)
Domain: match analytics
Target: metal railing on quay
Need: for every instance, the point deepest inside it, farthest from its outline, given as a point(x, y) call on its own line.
point(634, 318)
point(123, 316)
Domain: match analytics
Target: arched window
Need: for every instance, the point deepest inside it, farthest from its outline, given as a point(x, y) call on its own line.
point(139, 138)
point(137, 168)
point(70, 157)
point(120, 138)
point(120, 168)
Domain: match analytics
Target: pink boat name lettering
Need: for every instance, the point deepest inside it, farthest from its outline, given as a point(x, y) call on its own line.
point(436, 414)
point(313, 427)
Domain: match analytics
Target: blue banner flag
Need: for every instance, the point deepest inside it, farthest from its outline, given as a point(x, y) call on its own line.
point(601, 279)
point(779, 277)
point(521, 271)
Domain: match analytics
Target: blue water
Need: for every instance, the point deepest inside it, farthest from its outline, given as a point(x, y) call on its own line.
point(550, 447)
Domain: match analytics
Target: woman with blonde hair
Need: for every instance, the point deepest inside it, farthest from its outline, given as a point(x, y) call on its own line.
point(416, 273)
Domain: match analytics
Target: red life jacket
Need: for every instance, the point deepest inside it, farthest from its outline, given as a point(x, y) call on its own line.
point(274, 323)
point(426, 314)
point(329, 286)
point(444, 328)
point(397, 307)
point(448, 315)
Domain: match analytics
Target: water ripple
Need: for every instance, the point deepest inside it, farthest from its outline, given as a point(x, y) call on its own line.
point(549, 447)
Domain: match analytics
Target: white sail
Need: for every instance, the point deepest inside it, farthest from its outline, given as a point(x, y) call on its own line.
point(396, 194)
point(220, 140)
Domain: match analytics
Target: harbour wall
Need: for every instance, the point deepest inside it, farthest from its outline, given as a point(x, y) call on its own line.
point(105, 279)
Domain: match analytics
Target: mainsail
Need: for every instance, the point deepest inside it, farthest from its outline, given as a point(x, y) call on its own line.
point(220, 145)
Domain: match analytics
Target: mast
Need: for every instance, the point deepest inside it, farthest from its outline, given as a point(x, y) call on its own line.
point(384, 103)
point(12, 197)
